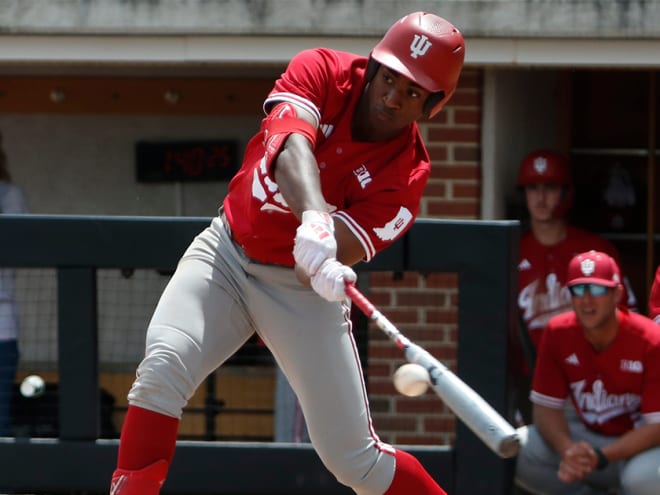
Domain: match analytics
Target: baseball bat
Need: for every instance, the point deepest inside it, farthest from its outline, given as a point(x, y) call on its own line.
point(467, 405)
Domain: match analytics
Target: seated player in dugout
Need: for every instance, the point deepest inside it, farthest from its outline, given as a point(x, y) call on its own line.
point(334, 175)
point(549, 241)
point(596, 394)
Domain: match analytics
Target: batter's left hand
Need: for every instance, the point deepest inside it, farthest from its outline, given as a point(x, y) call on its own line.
point(315, 241)
point(329, 282)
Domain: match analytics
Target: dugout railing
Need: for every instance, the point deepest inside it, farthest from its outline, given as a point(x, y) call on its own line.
point(482, 253)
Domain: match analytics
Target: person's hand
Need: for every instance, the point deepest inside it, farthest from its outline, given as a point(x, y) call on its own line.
point(578, 462)
point(315, 241)
point(329, 282)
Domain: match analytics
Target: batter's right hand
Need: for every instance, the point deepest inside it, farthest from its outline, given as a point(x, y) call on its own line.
point(330, 281)
point(315, 241)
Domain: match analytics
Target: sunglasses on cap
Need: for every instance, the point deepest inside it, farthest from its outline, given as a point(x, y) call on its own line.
point(579, 290)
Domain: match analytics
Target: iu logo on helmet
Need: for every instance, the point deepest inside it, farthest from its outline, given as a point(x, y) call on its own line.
point(419, 46)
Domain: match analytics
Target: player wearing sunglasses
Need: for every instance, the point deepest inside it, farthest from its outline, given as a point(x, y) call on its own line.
point(580, 290)
point(606, 361)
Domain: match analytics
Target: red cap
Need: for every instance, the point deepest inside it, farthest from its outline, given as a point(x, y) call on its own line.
point(593, 267)
point(544, 167)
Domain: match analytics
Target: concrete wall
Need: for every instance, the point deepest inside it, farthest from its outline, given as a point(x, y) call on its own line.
point(85, 164)
point(479, 18)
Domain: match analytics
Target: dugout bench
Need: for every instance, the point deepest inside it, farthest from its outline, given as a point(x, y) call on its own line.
point(482, 253)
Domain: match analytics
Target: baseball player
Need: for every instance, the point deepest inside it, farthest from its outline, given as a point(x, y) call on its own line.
point(545, 249)
point(654, 297)
point(334, 175)
point(606, 359)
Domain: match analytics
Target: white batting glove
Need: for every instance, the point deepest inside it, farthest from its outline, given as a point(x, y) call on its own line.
point(329, 282)
point(315, 241)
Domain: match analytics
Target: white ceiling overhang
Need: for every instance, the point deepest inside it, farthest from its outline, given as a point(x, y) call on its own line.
point(277, 50)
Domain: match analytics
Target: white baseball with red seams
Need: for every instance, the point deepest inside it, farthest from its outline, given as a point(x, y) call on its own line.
point(411, 379)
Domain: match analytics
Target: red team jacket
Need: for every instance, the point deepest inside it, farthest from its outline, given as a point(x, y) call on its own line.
point(612, 390)
point(374, 188)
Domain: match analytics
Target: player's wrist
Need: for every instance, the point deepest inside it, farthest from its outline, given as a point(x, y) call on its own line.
point(603, 461)
point(317, 216)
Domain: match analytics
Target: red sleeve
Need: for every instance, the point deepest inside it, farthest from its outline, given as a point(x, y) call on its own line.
point(654, 298)
point(549, 387)
point(650, 395)
point(314, 78)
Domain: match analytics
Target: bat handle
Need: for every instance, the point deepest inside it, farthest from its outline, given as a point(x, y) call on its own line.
point(359, 299)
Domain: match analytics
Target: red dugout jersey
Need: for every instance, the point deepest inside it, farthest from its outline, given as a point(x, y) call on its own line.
point(542, 291)
point(373, 187)
point(654, 298)
point(612, 390)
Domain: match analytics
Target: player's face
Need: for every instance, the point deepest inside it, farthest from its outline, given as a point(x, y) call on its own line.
point(596, 312)
point(542, 200)
point(390, 103)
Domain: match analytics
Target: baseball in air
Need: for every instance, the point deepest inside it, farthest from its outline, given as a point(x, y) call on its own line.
point(411, 379)
point(33, 386)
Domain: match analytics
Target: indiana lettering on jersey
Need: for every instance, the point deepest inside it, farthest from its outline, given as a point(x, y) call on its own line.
point(539, 303)
point(598, 406)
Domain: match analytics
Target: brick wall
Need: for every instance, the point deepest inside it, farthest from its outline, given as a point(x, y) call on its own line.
point(424, 307)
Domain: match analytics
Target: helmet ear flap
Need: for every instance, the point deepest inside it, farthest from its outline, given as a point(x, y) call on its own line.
point(432, 101)
point(372, 68)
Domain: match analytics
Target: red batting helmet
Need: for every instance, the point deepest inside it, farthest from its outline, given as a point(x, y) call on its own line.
point(426, 49)
point(548, 167)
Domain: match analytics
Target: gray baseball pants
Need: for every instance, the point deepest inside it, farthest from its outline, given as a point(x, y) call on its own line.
point(212, 305)
point(537, 465)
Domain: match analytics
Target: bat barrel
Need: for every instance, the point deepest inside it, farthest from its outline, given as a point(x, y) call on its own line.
point(476, 413)
point(467, 405)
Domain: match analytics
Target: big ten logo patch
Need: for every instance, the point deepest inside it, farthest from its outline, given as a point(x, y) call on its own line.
point(362, 175)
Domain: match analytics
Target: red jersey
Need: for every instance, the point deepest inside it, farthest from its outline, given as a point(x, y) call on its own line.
point(542, 291)
point(654, 298)
point(612, 390)
point(373, 187)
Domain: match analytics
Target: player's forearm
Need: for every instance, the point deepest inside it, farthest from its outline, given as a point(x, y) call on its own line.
point(633, 442)
point(552, 425)
point(297, 176)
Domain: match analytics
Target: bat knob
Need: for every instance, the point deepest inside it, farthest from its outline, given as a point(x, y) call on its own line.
point(510, 446)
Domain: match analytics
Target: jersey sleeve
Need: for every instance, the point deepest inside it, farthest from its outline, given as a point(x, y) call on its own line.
point(650, 395)
point(654, 298)
point(549, 388)
point(307, 81)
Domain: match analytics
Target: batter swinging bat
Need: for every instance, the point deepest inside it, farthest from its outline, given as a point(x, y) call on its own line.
point(468, 406)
